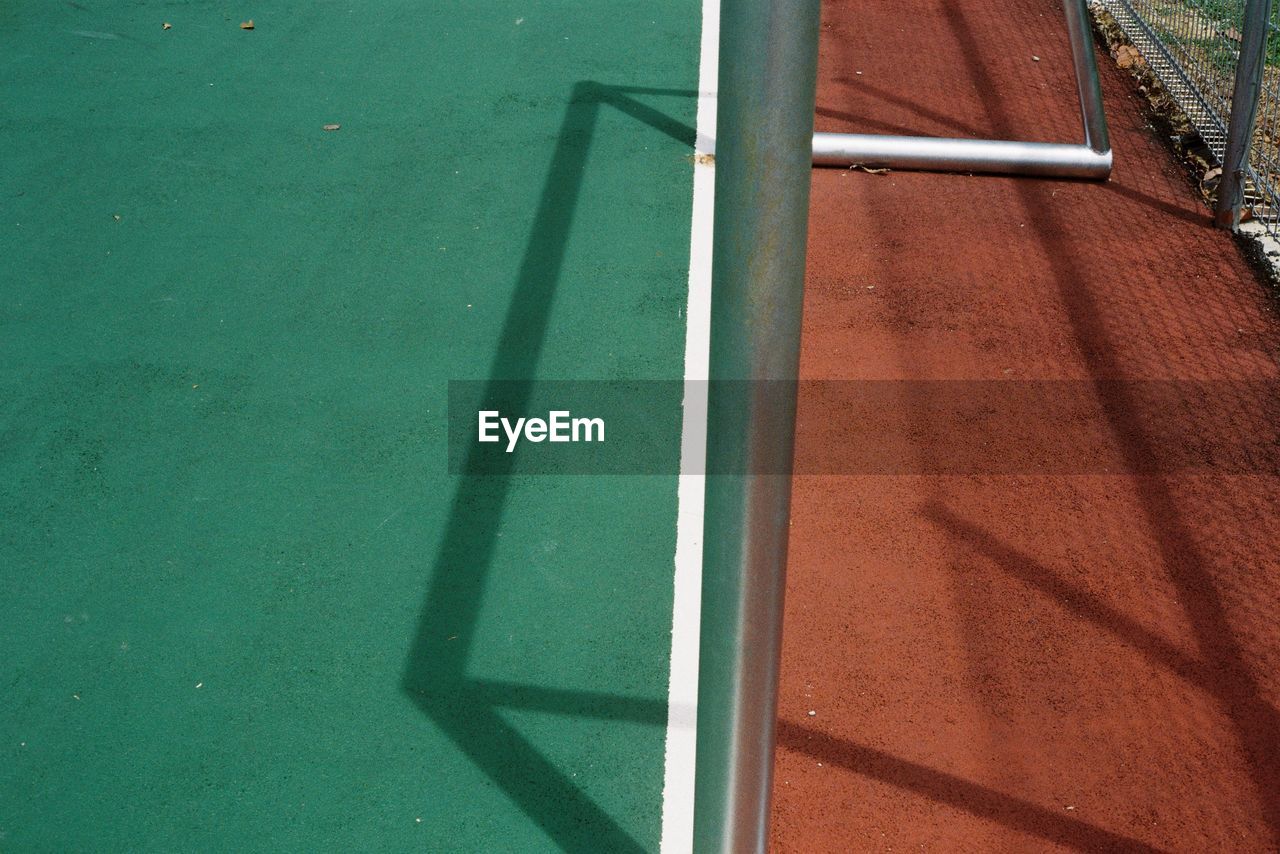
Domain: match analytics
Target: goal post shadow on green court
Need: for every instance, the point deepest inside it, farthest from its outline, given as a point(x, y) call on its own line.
point(435, 675)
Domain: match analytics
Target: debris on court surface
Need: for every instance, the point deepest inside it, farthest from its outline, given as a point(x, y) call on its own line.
point(247, 25)
point(1127, 56)
point(870, 170)
point(334, 126)
point(166, 26)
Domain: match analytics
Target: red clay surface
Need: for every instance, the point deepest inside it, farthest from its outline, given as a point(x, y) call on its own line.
point(1018, 662)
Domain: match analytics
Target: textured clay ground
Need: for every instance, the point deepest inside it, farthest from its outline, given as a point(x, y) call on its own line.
point(995, 661)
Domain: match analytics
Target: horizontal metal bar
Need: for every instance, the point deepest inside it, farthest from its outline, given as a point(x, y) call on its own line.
point(1046, 159)
point(961, 155)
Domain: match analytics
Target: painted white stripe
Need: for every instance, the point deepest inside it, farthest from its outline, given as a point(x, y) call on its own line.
point(682, 692)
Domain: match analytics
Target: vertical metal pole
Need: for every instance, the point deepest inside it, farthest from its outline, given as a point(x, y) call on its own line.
point(1088, 86)
point(1244, 110)
point(764, 133)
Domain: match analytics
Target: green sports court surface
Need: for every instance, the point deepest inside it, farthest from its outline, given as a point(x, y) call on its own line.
point(243, 604)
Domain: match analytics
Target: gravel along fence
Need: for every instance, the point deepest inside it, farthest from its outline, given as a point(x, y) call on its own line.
point(1191, 48)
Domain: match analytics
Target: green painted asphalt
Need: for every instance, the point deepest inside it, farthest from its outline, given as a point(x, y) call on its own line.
point(243, 606)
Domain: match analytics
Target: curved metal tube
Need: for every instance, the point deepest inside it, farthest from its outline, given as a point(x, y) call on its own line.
point(1087, 85)
point(1090, 159)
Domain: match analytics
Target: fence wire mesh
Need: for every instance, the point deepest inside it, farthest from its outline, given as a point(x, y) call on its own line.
point(1193, 46)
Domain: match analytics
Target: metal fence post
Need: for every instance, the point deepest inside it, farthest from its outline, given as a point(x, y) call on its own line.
point(1244, 111)
point(764, 133)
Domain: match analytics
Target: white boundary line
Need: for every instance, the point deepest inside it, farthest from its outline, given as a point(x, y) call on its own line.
point(682, 691)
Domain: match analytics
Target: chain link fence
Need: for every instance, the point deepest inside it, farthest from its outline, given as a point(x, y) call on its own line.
point(1193, 47)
